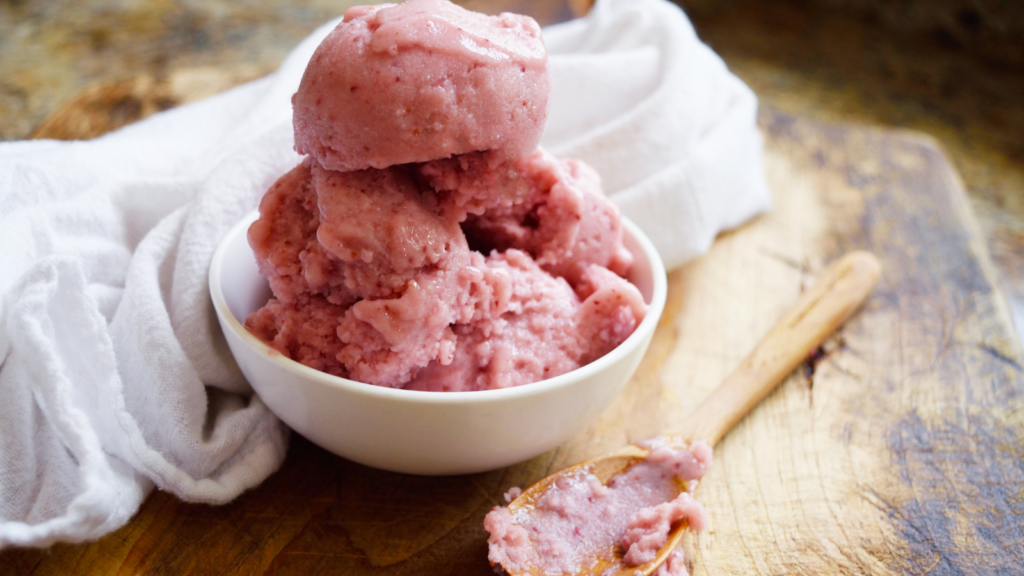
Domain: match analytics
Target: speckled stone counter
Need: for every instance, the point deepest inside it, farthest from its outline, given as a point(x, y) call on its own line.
point(951, 69)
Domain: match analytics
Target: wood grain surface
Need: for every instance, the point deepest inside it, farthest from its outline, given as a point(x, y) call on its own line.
point(898, 448)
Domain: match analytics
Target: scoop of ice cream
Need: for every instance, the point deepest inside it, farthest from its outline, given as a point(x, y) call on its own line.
point(285, 243)
point(474, 183)
point(611, 310)
point(529, 326)
point(364, 268)
point(306, 333)
point(565, 222)
point(388, 340)
point(524, 330)
point(351, 235)
point(379, 217)
point(408, 265)
point(421, 81)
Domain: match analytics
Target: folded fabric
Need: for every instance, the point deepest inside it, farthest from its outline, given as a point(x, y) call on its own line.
point(114, 375)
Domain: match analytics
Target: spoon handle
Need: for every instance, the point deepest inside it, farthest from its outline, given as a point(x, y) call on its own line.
point(838, 292)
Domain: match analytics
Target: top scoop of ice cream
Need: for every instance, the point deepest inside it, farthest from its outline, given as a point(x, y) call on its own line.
point(421, 81)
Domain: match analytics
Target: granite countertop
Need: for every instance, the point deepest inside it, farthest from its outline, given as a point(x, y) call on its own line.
point(950, 69)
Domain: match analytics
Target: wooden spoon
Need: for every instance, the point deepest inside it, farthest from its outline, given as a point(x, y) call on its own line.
point(839, 291)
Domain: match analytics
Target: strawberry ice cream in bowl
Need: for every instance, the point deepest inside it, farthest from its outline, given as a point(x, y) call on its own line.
point(428, 291)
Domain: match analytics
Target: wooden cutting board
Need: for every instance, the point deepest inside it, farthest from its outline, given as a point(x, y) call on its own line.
point(897, 450)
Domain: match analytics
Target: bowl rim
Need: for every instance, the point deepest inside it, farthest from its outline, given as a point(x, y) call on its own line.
point(648, 324)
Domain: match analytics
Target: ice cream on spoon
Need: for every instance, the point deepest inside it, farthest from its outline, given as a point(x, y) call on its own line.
point(625, 513)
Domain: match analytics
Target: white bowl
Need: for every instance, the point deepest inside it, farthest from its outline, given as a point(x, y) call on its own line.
point(425, 432)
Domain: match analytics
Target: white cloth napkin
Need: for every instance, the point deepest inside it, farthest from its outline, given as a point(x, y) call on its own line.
point(114, 375)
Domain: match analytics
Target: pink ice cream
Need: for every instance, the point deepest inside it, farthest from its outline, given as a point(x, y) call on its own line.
point(578, 519)
point(462, 259)
point(536, 328)
point(565, 222)
point(421, 81)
